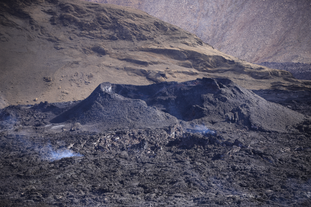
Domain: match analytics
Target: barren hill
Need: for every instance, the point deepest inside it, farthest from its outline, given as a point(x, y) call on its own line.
point(60, 50)
point(255, 31)
point(206, 101)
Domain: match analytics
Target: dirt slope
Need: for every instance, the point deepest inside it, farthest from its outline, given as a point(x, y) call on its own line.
point(61, 50)
point(255, 31)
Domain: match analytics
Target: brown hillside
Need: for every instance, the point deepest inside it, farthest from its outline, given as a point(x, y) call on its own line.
point(255, 31)
point(61, 50)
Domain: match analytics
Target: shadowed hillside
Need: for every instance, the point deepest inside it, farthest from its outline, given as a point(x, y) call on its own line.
point(299, 70)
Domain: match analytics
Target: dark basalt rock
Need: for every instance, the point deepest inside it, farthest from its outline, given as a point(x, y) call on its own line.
point(208, 101)
point(112, 110)
point(142, 155)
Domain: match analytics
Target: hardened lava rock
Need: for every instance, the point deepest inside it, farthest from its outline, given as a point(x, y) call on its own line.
point(207, 100)
point(167, 144)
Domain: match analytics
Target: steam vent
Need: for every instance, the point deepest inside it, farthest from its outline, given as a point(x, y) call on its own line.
point(104, 105)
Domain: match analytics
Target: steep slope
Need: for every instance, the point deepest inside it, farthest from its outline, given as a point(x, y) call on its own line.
point(110, 110)
point(61, 50)
point(255, 31)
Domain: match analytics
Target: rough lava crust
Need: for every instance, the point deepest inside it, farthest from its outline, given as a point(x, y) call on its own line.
point(201, 142)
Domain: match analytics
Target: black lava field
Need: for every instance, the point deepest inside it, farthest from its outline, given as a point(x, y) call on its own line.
point(206, 142)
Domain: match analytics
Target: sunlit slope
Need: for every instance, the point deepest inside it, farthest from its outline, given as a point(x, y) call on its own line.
point(255, 31)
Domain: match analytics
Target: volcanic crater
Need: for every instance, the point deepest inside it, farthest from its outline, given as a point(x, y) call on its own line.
point(109, 106)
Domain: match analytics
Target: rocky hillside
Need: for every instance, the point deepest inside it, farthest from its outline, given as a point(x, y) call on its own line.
point(255, 31)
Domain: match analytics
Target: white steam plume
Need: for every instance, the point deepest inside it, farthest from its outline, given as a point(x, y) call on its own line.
point(52, 155)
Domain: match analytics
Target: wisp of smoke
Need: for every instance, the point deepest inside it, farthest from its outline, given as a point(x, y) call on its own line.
point(201, 129)
point(8, 122)
point(53, 155)
point(47, 152)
